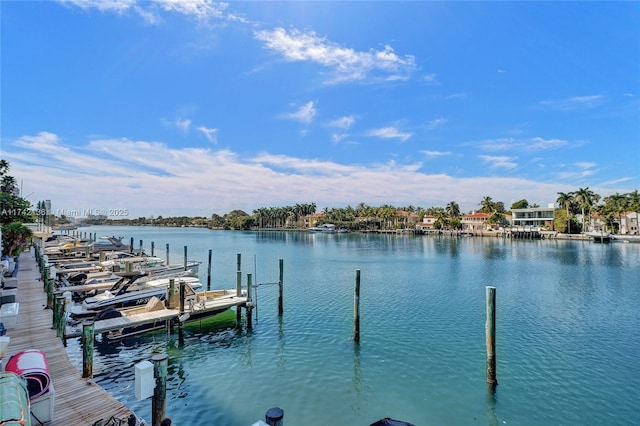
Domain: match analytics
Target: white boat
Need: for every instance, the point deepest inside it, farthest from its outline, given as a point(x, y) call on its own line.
point(599, 236)
point(325, 227)
point(129, 293)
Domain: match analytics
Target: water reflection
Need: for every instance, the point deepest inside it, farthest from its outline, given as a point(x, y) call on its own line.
point(356, 380)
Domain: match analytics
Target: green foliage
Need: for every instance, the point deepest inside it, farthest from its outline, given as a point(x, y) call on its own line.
point(561, 224)
point(522, 204)
point(16, 237)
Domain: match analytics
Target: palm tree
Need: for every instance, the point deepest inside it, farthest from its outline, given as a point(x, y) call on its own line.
point(566, 200)
point(634, 204)
point(453, 209)
point(616, 203)
point(585, 200)
point(487, 205)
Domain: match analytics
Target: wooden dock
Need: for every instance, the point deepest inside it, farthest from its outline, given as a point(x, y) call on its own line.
point(78, 401)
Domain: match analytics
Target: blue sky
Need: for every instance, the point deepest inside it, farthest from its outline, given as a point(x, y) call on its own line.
point(193, 107)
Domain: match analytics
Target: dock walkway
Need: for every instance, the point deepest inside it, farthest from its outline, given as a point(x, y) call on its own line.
point(78, 401)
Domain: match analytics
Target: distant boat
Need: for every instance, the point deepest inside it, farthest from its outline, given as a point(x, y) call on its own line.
point(599, 236)
point(325, 227)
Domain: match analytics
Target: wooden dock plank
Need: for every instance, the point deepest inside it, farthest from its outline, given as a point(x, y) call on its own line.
point(78, 401)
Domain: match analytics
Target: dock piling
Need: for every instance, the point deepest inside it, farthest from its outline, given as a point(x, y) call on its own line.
point(167, 253)
point(356, 309)
point(158, 404)
point(238, 287)
point(185, 258)
point(87, 348)
point(491, 336)
point(209, 271)
point(249, 309)
point(131, 245)
point(280, 285)
point(153, 246)
point(274, 416)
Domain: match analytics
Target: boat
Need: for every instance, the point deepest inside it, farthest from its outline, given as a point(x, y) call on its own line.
point(128, 293)
point(109, 244)
point(599, 236)
point(325, 227)
point(197, 306)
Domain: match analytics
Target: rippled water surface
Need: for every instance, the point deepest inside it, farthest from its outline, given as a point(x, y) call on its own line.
point(568, 332)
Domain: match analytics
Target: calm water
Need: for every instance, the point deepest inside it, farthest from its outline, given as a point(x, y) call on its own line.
point(568, 332)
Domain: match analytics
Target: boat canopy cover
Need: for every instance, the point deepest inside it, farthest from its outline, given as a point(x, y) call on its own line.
point(390, 422)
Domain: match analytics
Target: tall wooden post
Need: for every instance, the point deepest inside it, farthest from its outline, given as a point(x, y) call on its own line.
point(209, 272)
point(249, 309)
point(491, 336)
point(280, 285)
point(140, 250)
point(87, 348)
point(59, 310)
point(238, 287)
point(158, 404)
point(131, 245)
point(167, 253)
point(356, 309)
point(180, 322)
point(171, 299)
point(153, 247)
point(185, 258)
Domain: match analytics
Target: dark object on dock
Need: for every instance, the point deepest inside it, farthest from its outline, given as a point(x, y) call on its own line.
point(274, 416)
point(387, 421)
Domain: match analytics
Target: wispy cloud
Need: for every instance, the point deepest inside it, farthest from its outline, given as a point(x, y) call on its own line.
point(434, 154)
point(343, 122)
point(183, 124)
point(390, 133)
point(202, 11)
point(573, 103)
point(210, 134)
point(534, 144)
point(162, 174)
point(436, 122)
point(499, 161)
point(431, 79)
point(304, 114)
point(345, 63)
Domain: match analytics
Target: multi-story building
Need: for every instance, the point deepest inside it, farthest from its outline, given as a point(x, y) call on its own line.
point(535, 217)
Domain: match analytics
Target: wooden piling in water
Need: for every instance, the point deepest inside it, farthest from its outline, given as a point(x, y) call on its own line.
point(238, 287)
point(274, 416)
point(356, 309)
point(249, 309)
point(87, 348)
point(209, 271)
point(167, 253)
point(153, 247)
point(185, 258)
point(180, 321)
point(131, 245)
point(140, 250)
point(491, 336)
point(158, 403)
point(280, 285)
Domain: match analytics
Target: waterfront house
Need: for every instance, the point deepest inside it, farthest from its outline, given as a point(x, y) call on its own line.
point(475, 221)
point(428, 222)
point(535, 217)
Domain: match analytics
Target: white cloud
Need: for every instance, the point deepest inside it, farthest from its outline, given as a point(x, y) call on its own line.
point(147, 178)
point(436, 122)
point(346, 64)
point(390, 133)
point(150, 11)
point(534, 144)
point(304, 114)
point(499, 161)
point(431, 79)
point(573, 103)
point(210, 134)
point(436, 153)
point(183, 124)
point(343, 122)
